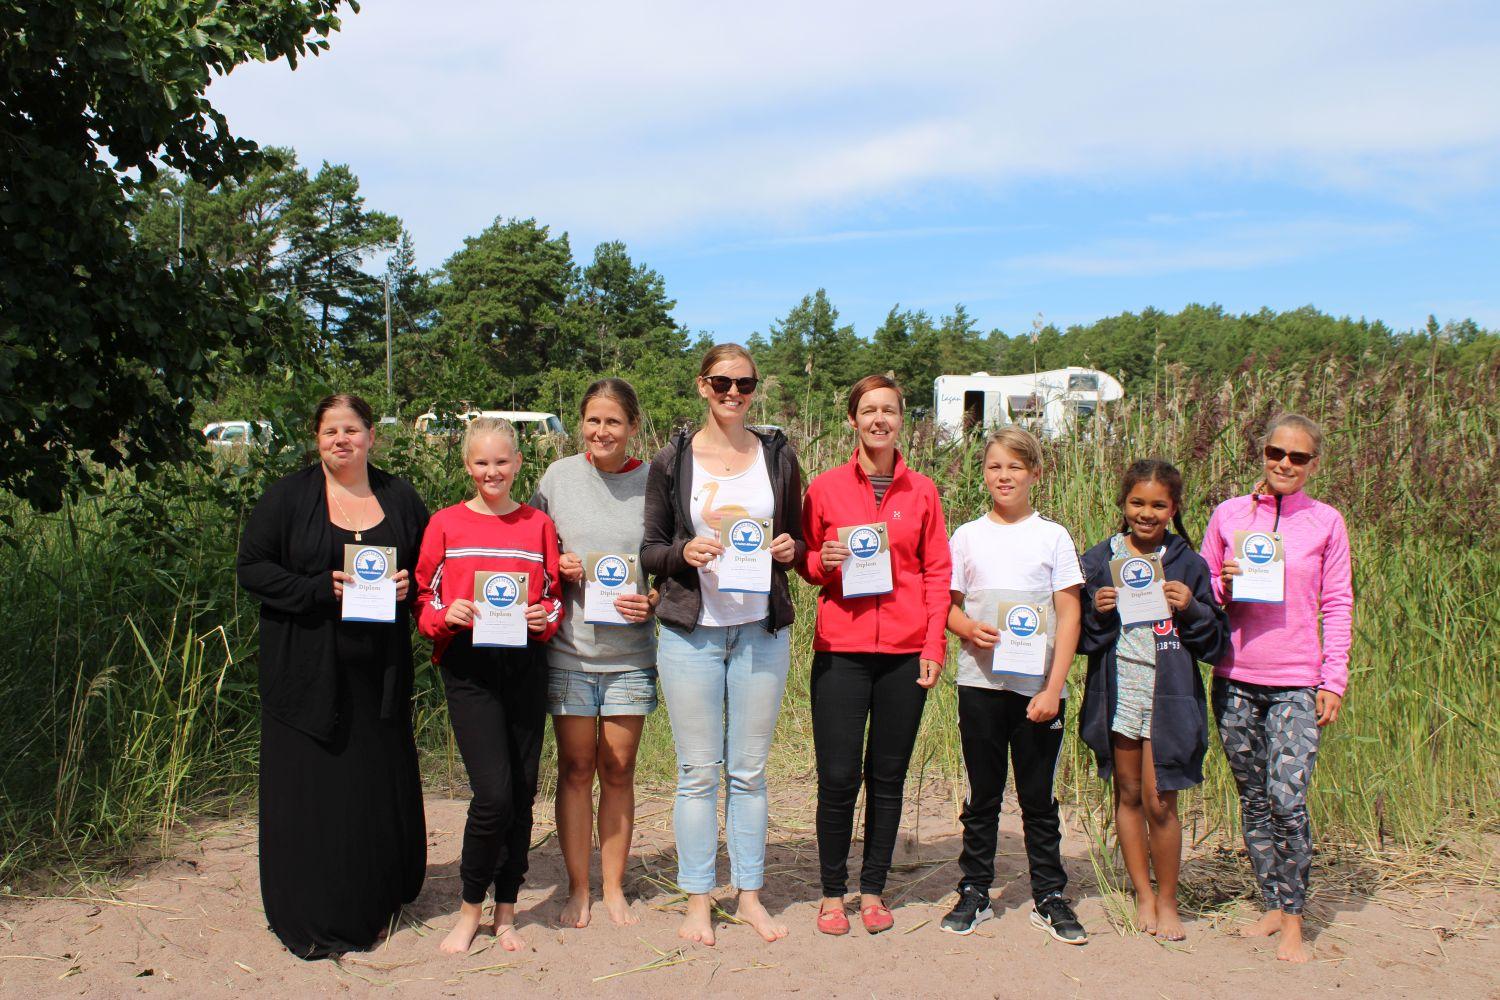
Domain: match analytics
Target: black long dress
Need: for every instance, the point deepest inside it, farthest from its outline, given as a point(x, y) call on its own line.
point(342, 832)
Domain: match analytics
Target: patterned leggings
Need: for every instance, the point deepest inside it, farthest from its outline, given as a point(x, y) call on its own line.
point(1270, 737)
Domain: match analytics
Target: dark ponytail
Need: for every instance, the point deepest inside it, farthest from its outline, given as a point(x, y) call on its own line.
point(1154, 470)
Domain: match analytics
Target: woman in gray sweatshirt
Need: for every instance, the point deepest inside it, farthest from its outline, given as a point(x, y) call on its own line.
point(602, 663)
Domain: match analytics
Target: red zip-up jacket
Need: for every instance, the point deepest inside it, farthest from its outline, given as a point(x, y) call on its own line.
point(912, 617)
point(460, 541)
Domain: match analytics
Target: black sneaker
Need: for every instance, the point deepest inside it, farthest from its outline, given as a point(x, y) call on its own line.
point(971, 910)
point(1056, 917)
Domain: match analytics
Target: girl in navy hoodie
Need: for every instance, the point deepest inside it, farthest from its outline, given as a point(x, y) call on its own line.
point(1145, 714)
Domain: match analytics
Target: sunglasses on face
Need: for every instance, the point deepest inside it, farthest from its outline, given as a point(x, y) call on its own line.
point(721, 383)
point(1275, 454)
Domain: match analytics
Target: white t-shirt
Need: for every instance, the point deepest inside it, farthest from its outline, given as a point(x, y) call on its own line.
point(715, 497)
point(993, 562)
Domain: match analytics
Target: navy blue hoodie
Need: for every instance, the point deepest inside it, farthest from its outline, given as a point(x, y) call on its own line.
point(1179, 708)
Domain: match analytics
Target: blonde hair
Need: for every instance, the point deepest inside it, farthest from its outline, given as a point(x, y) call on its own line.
point(1019, 442)
point(1297, 421)
point(480, 426)
point(725, 352)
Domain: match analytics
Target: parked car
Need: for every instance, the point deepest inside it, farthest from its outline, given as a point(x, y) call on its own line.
point(237, 433)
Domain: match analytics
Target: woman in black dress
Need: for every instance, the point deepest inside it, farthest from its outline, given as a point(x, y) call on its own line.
point(343, 839)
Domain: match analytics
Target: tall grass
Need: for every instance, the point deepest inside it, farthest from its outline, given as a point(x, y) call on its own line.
point(128, 653)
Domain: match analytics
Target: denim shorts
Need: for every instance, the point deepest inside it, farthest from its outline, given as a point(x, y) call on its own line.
point(583, 692)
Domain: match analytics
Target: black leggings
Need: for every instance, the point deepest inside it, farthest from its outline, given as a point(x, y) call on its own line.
point(848, 688)
point(497, 703)
point(992, 726)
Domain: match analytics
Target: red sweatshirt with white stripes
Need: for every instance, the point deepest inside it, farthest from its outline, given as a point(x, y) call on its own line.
point(460, 542)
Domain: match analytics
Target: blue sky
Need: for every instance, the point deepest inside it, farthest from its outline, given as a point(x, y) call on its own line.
point(1075, 162)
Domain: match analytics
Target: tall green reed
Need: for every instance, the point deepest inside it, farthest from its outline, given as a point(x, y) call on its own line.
point(128, 655)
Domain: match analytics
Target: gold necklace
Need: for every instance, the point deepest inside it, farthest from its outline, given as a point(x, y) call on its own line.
point(358, 532)
point(733, 452)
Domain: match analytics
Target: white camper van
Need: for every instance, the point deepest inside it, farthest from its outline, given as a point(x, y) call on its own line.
point(1047, 403)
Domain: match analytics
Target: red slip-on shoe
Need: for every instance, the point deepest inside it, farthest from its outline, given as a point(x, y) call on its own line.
point(877, 918)
point(833, 922)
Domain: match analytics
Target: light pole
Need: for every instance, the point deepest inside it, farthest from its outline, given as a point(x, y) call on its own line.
point(168, 192)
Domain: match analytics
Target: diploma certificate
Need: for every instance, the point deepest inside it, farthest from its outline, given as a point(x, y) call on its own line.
point(499, 609)
point(867, 570)
point(1022, 646)
point(1140, 596)
point(607, 575)
point(745, 565)
point(370, 596)
point(1262, 560)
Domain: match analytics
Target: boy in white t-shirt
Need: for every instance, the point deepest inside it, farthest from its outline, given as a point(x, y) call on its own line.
point(1014, 566)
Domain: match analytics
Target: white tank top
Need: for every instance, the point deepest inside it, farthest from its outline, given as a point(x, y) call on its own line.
point(714, 497)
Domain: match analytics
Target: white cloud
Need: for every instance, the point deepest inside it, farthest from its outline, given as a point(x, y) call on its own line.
point(633, 120)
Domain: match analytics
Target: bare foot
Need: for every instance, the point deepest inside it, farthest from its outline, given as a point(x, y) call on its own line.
point(577, 910)
point(1291, 949)
point(1145, 913)
point(698, 925)
point(619, 908)
point(752, 912)
point(1168, 921)
point(462, 935)
point(1268, 924)
point(505, 928)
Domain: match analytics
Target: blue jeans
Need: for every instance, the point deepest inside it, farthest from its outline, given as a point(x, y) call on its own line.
point(723, 687)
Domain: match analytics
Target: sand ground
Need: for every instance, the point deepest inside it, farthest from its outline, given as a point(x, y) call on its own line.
point(192, 926)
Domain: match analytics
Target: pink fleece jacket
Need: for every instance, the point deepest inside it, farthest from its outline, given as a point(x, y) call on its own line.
point(1278, 645)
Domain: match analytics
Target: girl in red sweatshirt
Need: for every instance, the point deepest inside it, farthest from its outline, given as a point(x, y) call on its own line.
point(880, 643)
point(497, 694)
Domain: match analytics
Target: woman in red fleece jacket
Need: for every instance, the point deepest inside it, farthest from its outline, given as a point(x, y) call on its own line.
point(497, 695)
point(875, 656)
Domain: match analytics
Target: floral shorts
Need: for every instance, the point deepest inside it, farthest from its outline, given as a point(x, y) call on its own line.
point(1137, 689)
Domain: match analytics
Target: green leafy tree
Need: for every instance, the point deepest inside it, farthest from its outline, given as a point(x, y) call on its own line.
point(811, 356)
point(330, 234)
point(103, 342)
point(622, 311)
point(502, 303)
point(906, 344)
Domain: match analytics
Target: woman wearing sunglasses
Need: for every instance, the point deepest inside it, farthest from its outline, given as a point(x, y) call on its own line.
point(724, 646)
point(1281, 679)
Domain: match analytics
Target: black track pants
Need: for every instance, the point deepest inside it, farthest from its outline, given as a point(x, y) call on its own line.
point(993, 729)
point(497, 702)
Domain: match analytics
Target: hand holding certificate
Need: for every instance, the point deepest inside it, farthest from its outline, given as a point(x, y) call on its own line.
point(1262, 561)
point(1138, 585)
point(499, 609)
point(370, 593)
point(1021, 648)
point(606, 576)
point(867, 570)
point(745, 565)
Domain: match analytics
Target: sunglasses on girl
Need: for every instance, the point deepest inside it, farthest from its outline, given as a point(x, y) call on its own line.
point(1275, 454)
point(721, 383)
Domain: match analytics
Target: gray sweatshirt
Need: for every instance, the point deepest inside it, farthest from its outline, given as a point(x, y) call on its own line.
point(596, 512)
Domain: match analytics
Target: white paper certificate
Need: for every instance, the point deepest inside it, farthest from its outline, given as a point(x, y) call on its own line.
point(1022, 646)
point(745, 566)
point(499, 609)
point(370, 596)
point(1262, 560)
point(1140, 596)
point(867, 571)
point(607, 575)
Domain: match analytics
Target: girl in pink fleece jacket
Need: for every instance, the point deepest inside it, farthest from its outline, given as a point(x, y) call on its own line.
point(1281, 679)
